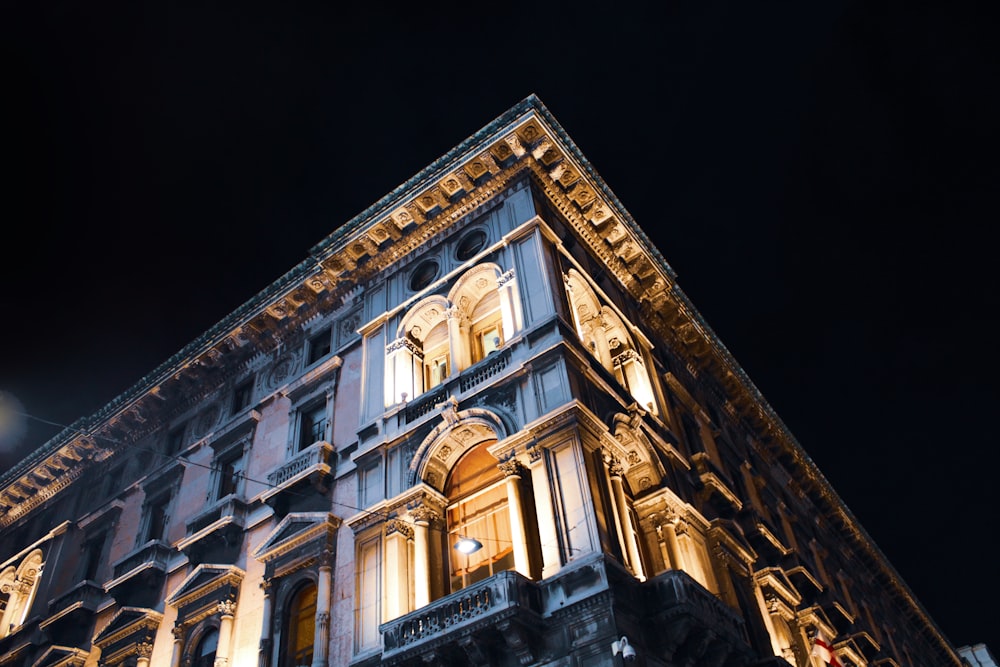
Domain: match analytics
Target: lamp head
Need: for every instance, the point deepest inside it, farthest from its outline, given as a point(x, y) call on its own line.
point(468, 545)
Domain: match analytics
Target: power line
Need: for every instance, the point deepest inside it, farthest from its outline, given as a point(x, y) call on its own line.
point(381, 515)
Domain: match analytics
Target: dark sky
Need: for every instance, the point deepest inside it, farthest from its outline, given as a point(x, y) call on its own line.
point(821, 176)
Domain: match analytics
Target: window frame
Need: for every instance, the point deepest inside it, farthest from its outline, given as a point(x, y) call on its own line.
point(242, 396)
point(319, 345)
point(306, 425)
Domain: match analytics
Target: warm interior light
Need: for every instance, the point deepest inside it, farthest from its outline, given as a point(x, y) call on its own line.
point(468, 545)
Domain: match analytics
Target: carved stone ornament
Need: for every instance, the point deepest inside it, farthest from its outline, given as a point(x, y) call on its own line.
point(227, 608)
point(511, 468)
point(144, 650)
point(398, 526)
point(281, 371)
point(424, 514)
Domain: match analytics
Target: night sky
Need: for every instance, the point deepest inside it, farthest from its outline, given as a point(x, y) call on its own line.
point(821, 177)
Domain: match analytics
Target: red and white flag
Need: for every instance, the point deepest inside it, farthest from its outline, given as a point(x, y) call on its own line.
point(824, 651)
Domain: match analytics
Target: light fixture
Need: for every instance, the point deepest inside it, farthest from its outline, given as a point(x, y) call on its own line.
point(468, 545)
point(622, 646)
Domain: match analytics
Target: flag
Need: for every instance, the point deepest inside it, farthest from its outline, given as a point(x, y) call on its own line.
point(824, 651)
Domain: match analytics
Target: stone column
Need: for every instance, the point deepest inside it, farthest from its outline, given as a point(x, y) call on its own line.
point(264, 647)
point(512, 472)
point(143, 651)
point(668, 530)
point(628, 535)
point(14, 593)
point(321, 641)
point(421, 556)
point(397, 568)
point(458, 340)
point(227, 609)
point(544, 514)
point(178, 649)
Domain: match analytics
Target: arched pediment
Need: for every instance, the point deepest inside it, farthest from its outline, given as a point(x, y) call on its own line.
point(474, 284)
point(617, 333)
point(423, 317)
point(636, 455)
point(29, 567)
point(582, 299)
point(458, 432)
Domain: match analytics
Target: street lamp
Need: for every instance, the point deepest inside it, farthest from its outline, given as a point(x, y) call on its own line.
point(468, 545)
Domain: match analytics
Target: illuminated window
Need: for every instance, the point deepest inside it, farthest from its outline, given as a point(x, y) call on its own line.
point(22, 585)
point(478, 510)
point(300, 627)
point(608, 337)
point(437, 371)
point(487, 331)
point(489, 340)
point(440, 336)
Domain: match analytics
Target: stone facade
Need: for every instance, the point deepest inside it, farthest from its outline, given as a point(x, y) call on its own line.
point(492, 351)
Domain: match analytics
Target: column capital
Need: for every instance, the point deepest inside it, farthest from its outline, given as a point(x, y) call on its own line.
point(511, 468)
point(226, 608)
point(423, 514)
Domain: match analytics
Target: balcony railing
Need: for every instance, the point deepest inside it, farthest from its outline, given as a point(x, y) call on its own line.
point(314, 458)
point(509, 613)
point(466, 381)
point(231, 507)
point(460, 614)
point(486, 369)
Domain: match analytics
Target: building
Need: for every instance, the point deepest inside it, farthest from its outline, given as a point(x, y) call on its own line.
point(493, 354)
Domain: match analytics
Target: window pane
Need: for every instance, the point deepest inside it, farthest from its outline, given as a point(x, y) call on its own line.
point(368, 594)
point(301, 627)
point(205, 655)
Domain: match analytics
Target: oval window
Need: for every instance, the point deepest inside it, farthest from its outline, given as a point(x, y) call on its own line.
point(423, 275)
point(470, 244)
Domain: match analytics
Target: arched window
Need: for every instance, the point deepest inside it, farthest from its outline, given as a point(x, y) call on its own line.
point(441, 336)
point(21, 592)
point(478, 509)
point(204, 655)
point(300, 627)
point(609, 339)
point(7, 592)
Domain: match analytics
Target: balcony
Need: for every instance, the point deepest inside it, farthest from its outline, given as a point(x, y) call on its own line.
point(86, 596)
point(312, 464)
point(464, 382)
point(137, 576)
point(216, 532)
point(466, 625)
point(509, 619)
point(689, 625)
point(71, 614)
point(715, 484)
